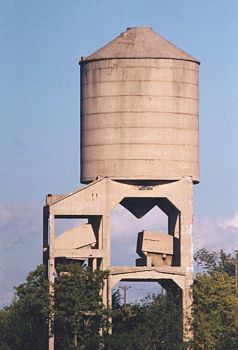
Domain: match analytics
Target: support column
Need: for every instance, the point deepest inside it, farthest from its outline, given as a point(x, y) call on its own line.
point(187, 299)
point(51, 277)
point(186, 253)
point(106, 246)
point(106, 255)
point(45, 238)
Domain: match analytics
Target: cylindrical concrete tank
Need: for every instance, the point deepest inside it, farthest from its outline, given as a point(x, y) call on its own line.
point(139, 110)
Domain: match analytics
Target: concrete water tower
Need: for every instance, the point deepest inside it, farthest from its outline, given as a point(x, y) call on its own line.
point(139, 148)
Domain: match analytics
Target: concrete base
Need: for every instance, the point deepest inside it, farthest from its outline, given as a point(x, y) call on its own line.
point(95, 203)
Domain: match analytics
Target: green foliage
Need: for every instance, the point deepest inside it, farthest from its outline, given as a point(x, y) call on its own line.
point(215, 312)
point(79, 312)
point(215, 261)
point(4, 329)
point(24, 323)
point(155, 323)
point(215, 307)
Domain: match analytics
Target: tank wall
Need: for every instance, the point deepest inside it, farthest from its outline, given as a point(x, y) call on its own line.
point(139, 119)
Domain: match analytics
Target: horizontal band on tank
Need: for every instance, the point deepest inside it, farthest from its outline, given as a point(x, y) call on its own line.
point(145, 88)
point(146, 61)
point(139, 80)
point(139, 169)
point(135, 168)
point(140, 103)
point(139, 112)
point(188, 154)
point(141, 159)
point(137, 143)
point(140, 95)
point(84, 63)
point(137, 73)
point(138, 152)
point(145, 98)
point(139, 66)
point(139, 120)
point(139, 127)
point(172, 160)
point(85, 81)
point(151, 137)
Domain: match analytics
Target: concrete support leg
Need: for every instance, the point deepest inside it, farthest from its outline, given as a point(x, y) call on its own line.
point(187, 300)
point(109, 303)
point(51, 277)
point(45, 237)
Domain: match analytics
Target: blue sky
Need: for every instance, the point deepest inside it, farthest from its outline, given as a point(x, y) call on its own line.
point(41, 43)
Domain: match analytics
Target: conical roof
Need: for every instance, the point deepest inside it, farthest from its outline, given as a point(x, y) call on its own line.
point(139, 42)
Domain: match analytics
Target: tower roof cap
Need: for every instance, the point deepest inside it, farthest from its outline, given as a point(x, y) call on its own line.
point(139, 42)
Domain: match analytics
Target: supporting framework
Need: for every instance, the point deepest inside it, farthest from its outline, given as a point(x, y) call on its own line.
point(95, 203)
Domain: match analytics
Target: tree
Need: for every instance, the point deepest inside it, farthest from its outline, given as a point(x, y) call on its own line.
point(79, 312)
point(4, 329)
point(154, 323)
point(24, 322)
point(216, 261)
point(215, 308)
point(215, 312)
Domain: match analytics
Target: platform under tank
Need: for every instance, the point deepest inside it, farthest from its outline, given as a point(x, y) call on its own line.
point(139, 110)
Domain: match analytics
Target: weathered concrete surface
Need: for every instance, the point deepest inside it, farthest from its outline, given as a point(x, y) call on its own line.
point(139, 148)
point(139, 115)
point(139, 42)
point(75, 238)
point(95, 202)
point(154, 248)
